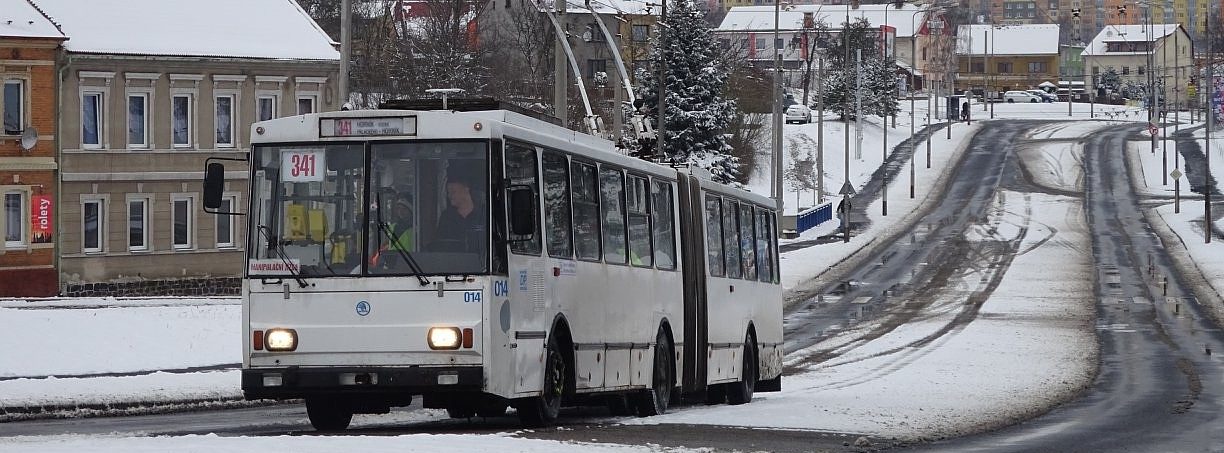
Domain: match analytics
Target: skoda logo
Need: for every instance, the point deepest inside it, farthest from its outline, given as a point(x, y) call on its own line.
point(363, 308)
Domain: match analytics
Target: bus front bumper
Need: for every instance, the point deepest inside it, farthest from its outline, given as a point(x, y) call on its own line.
point(298, 382)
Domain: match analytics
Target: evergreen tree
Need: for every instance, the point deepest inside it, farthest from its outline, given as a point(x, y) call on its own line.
point(879, 76)
point(698, 114)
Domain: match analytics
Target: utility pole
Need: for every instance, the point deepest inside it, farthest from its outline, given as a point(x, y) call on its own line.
point(777, 109)
point(560, 73)
point(820, 191)
point(346, 48)
point(1210, 122)
point(661, 123)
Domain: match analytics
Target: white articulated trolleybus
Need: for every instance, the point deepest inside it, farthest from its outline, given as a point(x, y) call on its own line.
point(486, 259)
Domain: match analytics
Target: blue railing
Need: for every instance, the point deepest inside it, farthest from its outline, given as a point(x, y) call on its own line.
point(814, 216)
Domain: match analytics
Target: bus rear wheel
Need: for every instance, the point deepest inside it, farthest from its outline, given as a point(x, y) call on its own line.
point(655, 400)
point(328, 414)
point(543, 410)
point(741, 392)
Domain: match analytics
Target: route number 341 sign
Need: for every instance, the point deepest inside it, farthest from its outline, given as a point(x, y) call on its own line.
point(303, 165)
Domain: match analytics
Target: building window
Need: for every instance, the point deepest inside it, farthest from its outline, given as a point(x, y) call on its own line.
point(14, 219)
point(641, 33)
point(596, 35)
point(266, 107)
point(760, 43)
point(138, 224)
point(225, 121)
point(182, 120)
point(1004, 67)
point(596, 67)
point(182, 221)
point(138, 120)
point(91, 120)
point(978, 67)
point(93, 219)
point(14, 106)
point(305, 104)
point(1126, 70)
point(225, 224)
point(1037, 66)
point(1142, 70)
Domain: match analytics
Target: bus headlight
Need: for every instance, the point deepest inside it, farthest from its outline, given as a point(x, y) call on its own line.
point(444, 338)
point(280, 340)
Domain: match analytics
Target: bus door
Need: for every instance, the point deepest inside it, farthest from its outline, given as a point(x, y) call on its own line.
point(525, 314)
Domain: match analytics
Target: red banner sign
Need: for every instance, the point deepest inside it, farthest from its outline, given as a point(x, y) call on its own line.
point(41, 224)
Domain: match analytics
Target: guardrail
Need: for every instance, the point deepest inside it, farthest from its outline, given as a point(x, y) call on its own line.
point(813, 216)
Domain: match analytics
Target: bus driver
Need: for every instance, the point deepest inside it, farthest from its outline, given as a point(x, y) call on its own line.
point(461, 219)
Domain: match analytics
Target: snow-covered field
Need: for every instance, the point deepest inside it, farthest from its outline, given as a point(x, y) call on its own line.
point(1027, 347)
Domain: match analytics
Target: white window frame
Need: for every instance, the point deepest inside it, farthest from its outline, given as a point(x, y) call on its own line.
point(233, 117)
point(314, 103)
point(102, 202)
point(148, 222)
point(100, 119)
point(22, 214)
point(270, 95)
point(147, 94)
point(232, 198)
point(175, 199)
point(23, 105)
point(191, 119)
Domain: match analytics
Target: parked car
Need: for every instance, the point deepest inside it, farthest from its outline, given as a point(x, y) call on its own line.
point(1020, 96)
point(798, 113)
point(1046, 97)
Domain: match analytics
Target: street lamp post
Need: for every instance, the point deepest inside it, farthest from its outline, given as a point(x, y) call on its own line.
point(777, 110)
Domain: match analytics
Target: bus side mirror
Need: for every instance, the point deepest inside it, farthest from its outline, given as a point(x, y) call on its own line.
point(214, 185)
point(522, 212)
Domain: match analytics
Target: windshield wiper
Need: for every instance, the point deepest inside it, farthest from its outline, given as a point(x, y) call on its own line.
point(278, 248)
point(395, 244)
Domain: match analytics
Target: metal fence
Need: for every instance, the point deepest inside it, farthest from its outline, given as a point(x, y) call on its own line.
point(814, 216)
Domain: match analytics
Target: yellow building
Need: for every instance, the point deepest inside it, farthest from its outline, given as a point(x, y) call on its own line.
point(1001, 58)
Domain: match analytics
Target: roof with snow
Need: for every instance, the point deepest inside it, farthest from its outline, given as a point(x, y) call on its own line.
point(1028, 39)
point(19, 19)
point(272, 29)
point(619, 7)
point(761, 18)
point(1127, 33)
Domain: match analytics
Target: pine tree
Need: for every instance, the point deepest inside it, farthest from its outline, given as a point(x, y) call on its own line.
point(879, 93)
point(698, 114)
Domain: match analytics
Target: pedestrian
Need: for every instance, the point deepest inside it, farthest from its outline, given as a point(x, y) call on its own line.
point(965, 112)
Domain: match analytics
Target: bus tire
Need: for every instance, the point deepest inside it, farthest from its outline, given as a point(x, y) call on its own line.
point(543, 410)
point(741, 392)
point(328, 414)
point(654, 401)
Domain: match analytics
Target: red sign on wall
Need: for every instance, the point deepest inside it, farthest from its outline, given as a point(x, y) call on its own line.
point(41, 224)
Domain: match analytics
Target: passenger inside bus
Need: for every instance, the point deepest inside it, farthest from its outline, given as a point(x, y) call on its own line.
point(460, 226)
point(399, 235)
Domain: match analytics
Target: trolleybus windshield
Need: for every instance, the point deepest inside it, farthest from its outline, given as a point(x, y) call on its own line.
point(387, 209)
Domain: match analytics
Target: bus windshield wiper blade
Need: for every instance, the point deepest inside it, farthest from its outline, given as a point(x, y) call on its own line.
point(275, 246)
point(395, 243)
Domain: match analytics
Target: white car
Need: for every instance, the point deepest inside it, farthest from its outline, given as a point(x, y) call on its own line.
point(1021, 96)
point(798, 113)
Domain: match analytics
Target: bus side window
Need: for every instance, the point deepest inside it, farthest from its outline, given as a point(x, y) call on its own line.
point(714, 235)
point(585, 182)
point(521, 170)
point(612, 191)
point(772, 230)
point(746, 240)
point(664, 233)
point(638, 201)
point(764, 257)
point(557, 206)
point(731, 247)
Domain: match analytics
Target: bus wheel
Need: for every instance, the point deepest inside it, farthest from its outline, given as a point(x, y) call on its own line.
point(741, 392)
point(542, 410)
point(328, 414)
point(655, 400)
